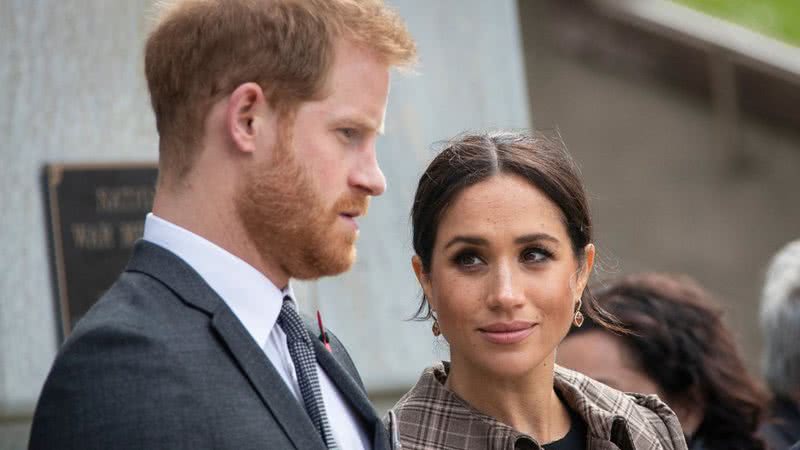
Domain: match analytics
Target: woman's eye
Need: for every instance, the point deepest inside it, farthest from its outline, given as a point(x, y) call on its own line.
point(468, 260)
point(536, 255)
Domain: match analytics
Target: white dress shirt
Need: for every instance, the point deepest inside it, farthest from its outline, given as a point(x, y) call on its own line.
point(256, 302)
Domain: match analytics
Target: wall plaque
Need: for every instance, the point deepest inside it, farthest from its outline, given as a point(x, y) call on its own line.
point(95, 214)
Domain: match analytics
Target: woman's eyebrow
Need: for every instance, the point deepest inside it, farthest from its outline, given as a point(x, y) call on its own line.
point(525, 239)
point(474, 240)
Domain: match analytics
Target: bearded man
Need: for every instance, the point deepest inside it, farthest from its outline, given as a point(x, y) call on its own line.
point(267, 113)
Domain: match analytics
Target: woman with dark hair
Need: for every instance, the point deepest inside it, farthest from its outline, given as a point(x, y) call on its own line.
point(503, 243)
point(677, 347)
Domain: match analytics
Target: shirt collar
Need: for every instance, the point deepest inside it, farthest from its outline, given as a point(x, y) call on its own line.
point(252, 297)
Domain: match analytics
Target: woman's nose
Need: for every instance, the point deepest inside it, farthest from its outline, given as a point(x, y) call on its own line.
point(505, 292)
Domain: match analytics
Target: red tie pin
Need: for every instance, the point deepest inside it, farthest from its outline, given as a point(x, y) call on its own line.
point(322, 332)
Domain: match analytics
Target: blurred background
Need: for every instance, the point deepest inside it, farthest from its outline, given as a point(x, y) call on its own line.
point(682, 115)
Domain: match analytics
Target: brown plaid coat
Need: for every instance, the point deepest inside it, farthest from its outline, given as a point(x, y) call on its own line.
point(430, 416)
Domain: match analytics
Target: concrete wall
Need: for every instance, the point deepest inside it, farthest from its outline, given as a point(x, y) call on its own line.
point(72, 88)
point(73, 91)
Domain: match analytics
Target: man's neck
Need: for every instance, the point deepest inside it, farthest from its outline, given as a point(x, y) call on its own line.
point(215, 220)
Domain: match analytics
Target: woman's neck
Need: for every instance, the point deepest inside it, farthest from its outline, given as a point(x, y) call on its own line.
point(527, 403)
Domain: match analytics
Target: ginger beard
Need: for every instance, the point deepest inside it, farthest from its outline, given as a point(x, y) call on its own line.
point(287, 222)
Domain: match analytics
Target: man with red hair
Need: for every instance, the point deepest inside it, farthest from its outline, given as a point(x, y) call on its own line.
point(267, 113)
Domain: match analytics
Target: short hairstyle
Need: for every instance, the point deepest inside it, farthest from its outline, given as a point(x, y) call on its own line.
point(201, 50)
point(676, 335)
point(468, 159)
point(780, 321)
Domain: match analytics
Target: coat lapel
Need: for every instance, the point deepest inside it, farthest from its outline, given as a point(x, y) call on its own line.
point(354, 395)
point(165, 266)
point(266, 381)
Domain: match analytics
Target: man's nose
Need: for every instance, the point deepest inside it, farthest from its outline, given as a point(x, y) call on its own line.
point(367, 175)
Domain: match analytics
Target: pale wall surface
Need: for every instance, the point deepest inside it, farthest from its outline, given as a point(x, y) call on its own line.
point(73, 91)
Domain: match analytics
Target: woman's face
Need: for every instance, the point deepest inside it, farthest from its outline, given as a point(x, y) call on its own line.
point(504, 280)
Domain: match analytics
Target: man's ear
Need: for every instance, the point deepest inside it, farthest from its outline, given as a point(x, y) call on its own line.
point(249, 118)
point(423, 278)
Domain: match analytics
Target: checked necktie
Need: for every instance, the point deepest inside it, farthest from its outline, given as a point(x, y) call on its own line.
point(305, 366)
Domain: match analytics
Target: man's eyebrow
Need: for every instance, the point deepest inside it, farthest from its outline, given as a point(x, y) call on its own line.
point(473, 240)
point(360, 122)
point(536, 237)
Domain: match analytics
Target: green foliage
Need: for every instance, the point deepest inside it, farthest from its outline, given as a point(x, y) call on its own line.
point(776, 18)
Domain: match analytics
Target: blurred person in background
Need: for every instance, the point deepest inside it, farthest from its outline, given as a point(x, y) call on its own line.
point(780, 325)
point(677, 347)
point(503, 250)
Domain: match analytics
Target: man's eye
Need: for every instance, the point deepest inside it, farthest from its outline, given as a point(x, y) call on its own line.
point(348, 133)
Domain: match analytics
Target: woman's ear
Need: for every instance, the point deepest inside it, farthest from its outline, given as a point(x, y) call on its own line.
point(586, 267)
point(423, 278)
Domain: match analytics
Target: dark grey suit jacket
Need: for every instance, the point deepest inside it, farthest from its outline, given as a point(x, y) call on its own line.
point(161, 362)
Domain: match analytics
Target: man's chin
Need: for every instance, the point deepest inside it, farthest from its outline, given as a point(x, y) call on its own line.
point(328, 266)
point(343, 263)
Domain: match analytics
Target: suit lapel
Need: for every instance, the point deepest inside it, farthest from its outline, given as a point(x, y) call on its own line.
point(165, 266)
point(266, 381)
point(353, 393)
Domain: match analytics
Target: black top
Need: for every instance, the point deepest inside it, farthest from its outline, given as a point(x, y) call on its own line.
point(575, 439)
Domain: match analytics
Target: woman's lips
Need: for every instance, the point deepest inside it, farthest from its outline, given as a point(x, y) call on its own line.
point(506, 333)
